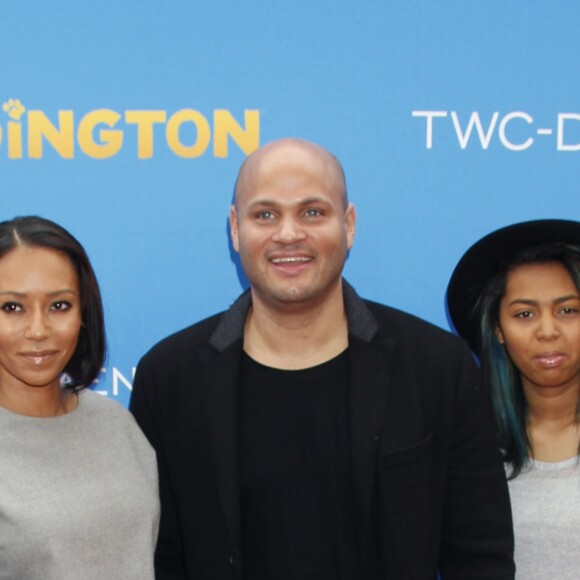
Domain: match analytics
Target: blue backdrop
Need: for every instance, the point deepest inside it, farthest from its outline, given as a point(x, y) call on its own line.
point(126, 122)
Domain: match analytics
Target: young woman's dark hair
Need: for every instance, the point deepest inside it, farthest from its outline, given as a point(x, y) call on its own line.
point(32, 231)
point(499, 372)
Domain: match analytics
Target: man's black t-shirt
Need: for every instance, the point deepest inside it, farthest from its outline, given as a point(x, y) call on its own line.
point(296, 491)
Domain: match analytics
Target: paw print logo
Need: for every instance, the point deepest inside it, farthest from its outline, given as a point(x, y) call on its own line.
point(14, 108)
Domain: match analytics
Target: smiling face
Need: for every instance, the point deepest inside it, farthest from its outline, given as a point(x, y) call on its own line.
point(291, 224)
point(40, 317)
point(539, 323)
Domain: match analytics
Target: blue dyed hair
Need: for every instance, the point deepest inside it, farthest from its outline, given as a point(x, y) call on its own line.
point(500, 374)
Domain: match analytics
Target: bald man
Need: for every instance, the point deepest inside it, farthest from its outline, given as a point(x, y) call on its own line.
point(307, 434)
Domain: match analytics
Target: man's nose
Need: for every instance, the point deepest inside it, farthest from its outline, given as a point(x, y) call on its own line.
point(289, 230)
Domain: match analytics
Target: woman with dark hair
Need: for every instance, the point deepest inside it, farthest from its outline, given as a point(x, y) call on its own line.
point(78, 480)
point(515, 297)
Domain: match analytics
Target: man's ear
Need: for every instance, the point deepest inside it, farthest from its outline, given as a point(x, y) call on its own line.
point(350, 222)
point(234, 228)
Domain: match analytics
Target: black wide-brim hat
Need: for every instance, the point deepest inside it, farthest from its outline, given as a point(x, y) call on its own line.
point(490, 255)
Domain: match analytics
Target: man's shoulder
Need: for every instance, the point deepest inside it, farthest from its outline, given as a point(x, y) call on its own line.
point(218, 331)
point(400, 324)
point(419, 344)
point(370, 320)
point(187, 339)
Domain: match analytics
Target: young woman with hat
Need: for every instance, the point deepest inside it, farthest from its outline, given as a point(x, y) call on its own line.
point(515, 297)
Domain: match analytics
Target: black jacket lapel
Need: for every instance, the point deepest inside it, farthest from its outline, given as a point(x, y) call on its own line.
point(221, 380)
point(369, 374)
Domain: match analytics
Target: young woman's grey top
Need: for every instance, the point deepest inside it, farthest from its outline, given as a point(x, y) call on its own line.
point(546, 511)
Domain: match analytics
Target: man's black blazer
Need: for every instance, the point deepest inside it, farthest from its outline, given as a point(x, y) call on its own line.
point(430, 490)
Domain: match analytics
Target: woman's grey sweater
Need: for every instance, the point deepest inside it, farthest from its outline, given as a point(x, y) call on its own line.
point(545, 501)
point(78, 495)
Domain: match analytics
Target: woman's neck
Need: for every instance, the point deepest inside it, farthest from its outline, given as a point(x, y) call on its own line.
point(39, 401)
point(553, 427)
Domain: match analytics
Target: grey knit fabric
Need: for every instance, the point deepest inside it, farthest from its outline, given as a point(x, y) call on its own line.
point(78, 495)
point(546, 510)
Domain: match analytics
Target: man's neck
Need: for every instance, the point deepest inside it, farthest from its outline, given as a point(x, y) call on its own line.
point(296, 336)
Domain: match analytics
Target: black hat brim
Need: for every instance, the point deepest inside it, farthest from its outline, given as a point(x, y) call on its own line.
point(490, 255)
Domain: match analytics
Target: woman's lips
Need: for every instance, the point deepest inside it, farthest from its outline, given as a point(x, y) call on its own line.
point(40, 357)
point(550, 360)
